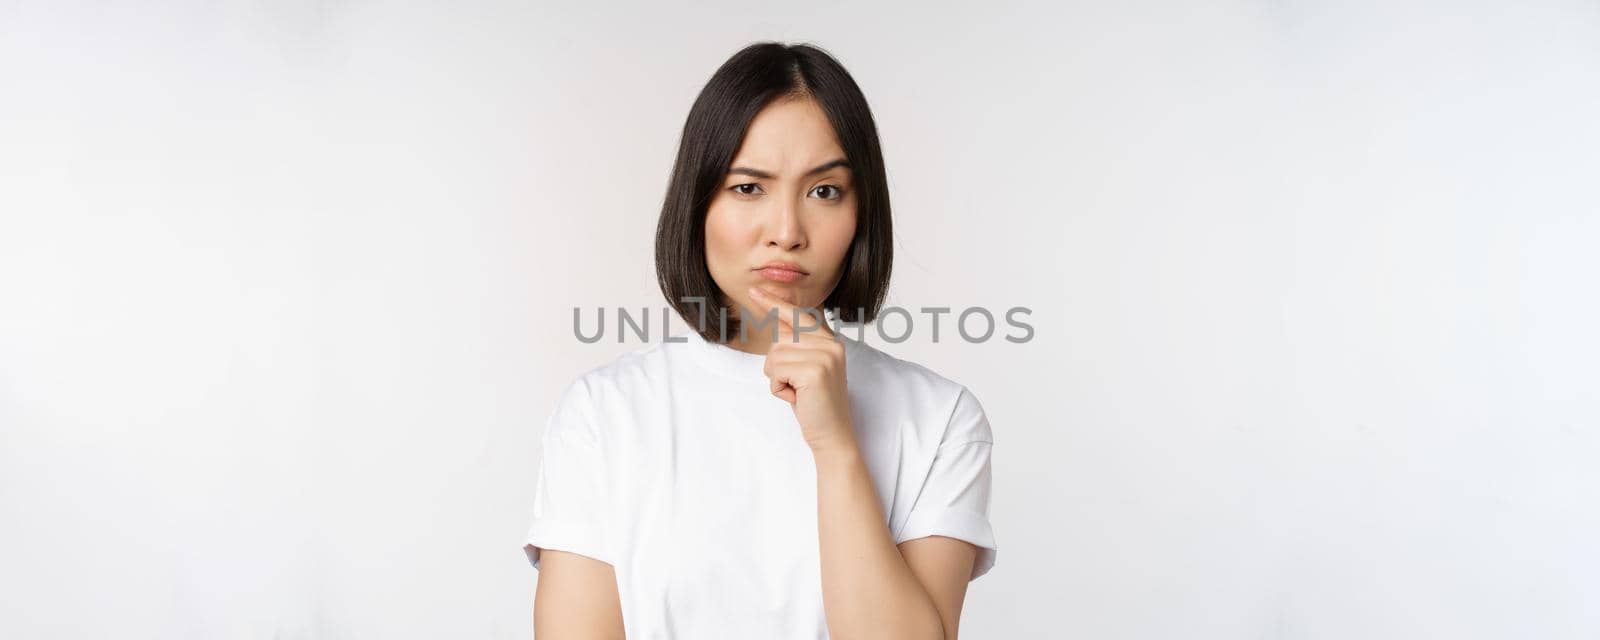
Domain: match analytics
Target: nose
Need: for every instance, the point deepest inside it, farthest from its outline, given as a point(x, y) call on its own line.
point(784, 228)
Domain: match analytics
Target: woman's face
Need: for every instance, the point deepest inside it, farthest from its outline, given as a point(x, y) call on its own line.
point(788, 197)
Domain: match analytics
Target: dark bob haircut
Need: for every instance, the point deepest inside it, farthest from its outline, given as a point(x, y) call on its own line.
point(754, 77)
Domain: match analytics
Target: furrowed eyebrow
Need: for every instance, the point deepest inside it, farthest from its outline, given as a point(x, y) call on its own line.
point(768, 176)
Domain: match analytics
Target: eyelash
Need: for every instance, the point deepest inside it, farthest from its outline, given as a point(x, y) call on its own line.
point(839, 189)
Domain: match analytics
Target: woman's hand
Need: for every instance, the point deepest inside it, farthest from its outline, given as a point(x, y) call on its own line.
point(806, 367)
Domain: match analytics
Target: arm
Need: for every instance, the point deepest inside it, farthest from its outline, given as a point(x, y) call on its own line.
point(576, 598)
point(870, 587)
point(569, 542)
point(944, 567)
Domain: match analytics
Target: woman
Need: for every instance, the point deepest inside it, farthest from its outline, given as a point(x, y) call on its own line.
point(762, 476)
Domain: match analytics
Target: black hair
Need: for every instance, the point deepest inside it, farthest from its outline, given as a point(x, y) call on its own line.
point(746, 83)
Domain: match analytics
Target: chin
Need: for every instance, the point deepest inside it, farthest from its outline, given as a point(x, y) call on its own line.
point(787, 293)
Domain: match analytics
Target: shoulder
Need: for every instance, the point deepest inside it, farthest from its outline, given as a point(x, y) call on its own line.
point(908, 376)
point(948, 409)
point(626, 375)
point(626, 371)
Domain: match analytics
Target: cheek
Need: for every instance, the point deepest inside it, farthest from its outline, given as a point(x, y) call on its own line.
point(723, 238)
point(839, 235)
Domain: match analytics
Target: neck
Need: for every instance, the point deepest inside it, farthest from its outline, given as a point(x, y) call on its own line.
point(753, 340)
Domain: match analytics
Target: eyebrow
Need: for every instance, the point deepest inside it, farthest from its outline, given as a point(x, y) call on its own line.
point(767, 176)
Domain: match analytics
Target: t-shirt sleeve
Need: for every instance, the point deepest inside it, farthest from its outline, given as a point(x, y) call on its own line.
point(569, 504)
point(954, 500)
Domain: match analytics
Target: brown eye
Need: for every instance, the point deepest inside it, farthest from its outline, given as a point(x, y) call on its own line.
point(739, 188)
point(836, 191)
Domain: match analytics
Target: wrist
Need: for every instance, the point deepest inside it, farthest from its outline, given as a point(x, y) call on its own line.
point(841, 445)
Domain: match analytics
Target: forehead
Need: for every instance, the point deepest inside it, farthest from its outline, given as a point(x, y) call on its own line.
point(789, 134)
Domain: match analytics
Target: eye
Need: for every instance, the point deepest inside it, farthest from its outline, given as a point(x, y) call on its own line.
point(740, 188)
point(835, 190)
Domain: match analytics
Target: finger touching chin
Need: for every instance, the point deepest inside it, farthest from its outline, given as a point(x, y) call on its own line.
point(787, 295)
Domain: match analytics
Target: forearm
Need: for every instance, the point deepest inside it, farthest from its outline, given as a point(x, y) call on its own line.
point(868, 591)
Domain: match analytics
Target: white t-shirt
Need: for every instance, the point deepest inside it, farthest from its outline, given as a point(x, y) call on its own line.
point(676, 465)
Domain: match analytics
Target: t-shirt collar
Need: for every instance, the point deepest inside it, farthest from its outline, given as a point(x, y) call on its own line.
point(725, 359)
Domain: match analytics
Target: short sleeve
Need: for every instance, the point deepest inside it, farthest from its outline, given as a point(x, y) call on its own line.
point(954, 500)
point(569, 504)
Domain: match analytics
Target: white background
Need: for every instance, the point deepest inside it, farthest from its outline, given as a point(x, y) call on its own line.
point(286, 292)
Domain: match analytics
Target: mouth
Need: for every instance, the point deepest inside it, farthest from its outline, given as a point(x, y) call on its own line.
point(781, 271)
